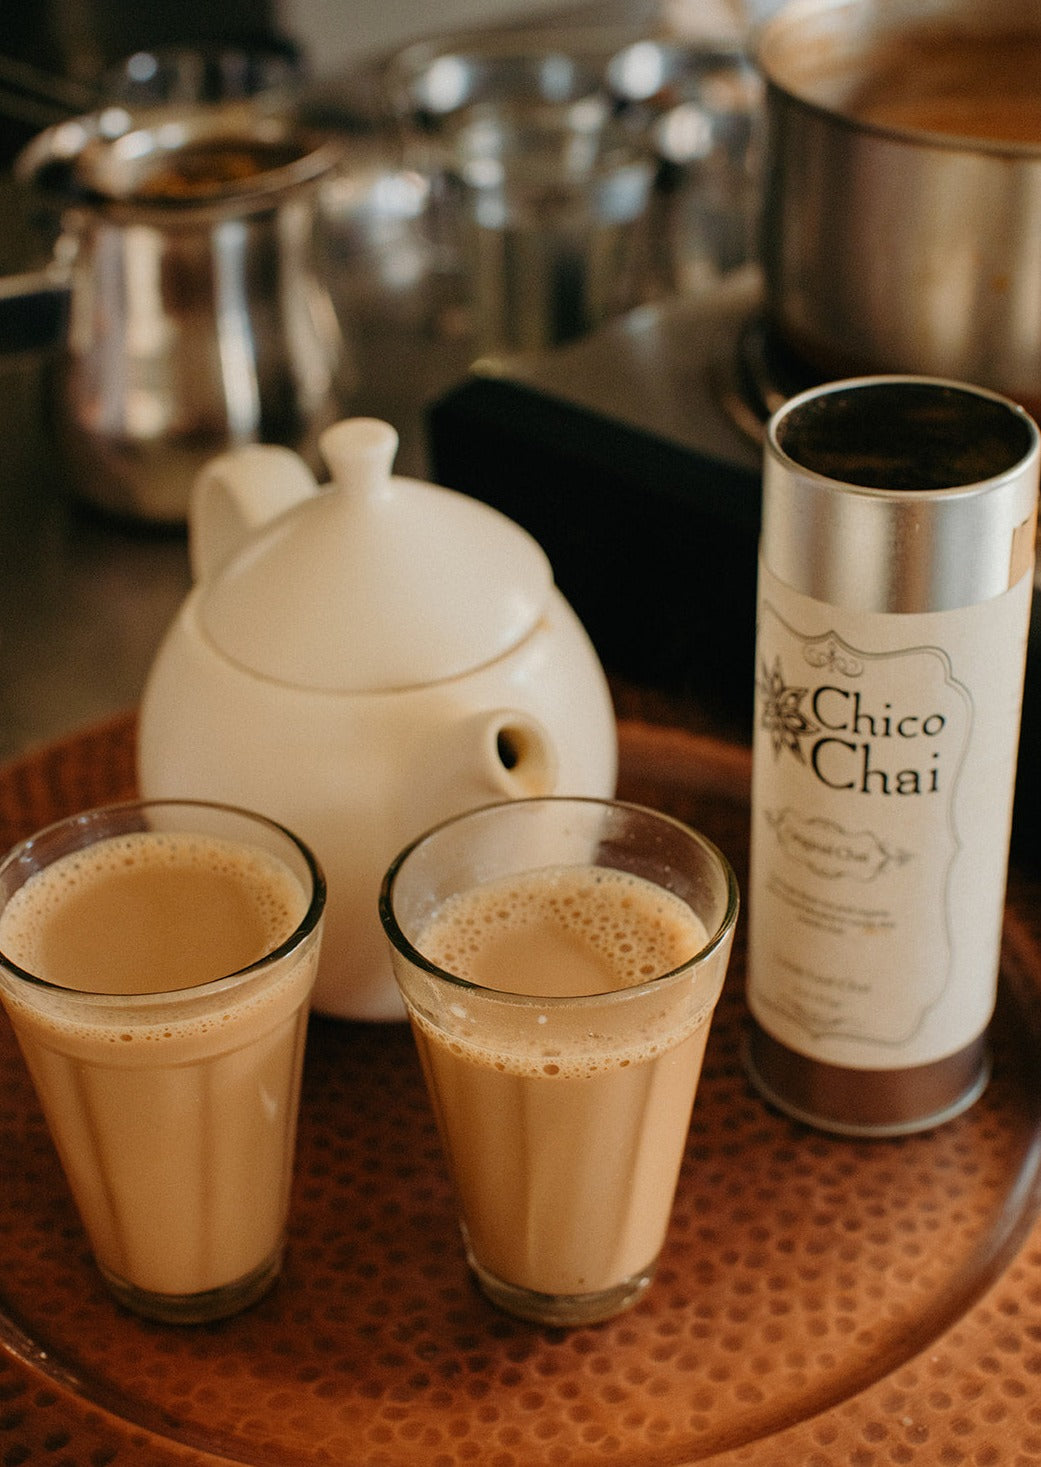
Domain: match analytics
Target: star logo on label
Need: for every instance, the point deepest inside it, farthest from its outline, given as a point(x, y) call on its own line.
point(782, 716)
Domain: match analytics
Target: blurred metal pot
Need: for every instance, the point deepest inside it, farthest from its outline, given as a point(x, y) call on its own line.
point(700, 103)
point(198, 314)
point(902, 216)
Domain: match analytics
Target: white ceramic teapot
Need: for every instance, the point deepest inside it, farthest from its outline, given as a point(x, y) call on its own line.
point(361, 661)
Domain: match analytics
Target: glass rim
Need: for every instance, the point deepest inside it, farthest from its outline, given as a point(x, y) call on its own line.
point(141, 998)
point(408, 950)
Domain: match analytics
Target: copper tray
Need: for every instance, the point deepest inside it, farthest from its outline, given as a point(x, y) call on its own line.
point(820, 1301)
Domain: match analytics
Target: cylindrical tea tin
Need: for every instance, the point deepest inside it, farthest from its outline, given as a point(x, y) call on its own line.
point(895, 580)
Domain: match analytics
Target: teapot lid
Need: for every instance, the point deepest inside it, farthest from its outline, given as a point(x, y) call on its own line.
point(375, 583)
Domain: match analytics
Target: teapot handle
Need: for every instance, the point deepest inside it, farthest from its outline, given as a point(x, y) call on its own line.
point(236, 493)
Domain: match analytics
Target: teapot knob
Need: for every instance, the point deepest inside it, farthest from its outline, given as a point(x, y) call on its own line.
point(360, 453)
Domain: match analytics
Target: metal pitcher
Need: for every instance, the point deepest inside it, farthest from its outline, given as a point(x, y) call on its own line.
point(197, 313)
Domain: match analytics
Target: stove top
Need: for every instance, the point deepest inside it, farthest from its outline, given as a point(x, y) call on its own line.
point(675, 370)
point(633, 456)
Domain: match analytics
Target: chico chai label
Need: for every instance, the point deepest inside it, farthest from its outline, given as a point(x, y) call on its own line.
point(883, 763)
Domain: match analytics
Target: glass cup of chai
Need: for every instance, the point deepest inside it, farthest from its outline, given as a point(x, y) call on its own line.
point(156, 962)
point(561, 960)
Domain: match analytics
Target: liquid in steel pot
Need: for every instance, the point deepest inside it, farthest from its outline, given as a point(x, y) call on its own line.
point(902, 211)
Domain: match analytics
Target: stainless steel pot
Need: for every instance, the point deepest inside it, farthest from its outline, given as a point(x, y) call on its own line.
point(890, 247)
point(198, 315)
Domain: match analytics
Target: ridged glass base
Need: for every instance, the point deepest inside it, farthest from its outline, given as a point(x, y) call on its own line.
point(562, 1309)
point(201, 1308)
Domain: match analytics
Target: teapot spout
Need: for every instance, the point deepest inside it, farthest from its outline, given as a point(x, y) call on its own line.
point(494, 754)
point(515, 756)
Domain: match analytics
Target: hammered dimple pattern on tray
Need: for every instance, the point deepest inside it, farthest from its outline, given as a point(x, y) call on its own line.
point(820, 1301)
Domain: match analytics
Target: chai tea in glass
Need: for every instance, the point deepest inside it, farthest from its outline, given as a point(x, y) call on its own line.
point(156, 962)
point(561, 960)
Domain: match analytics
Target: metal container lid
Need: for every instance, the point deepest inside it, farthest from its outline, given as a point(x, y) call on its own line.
point(900, 493)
